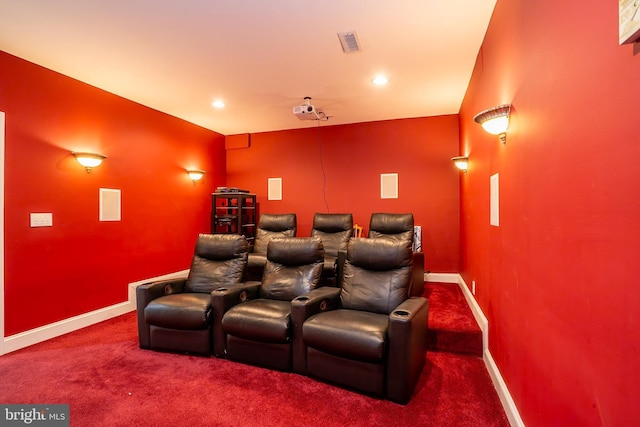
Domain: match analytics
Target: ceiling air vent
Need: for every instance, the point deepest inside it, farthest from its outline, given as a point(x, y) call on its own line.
point(349, 42)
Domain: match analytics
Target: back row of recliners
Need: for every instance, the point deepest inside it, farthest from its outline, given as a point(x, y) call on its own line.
point(368, 334)
point(335, 230)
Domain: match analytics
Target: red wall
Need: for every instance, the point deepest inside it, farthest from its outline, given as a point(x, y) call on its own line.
point(556, 279)
point(337, 169)
point(81, 264)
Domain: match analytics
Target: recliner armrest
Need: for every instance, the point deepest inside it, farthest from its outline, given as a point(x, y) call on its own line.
point(409, 309)
point(161, 288)
point(152, 290)
point(222, 299)
point(407, 349)
point(417, 283)
point(147, 292)
point(303, 307)
point(255, 266)
point(342, 257)
point(320, 299)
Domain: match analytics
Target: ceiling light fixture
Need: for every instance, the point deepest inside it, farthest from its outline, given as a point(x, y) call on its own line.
point(495, 120)
point(89, 160)
point(380, 80)
point(461, 162)
point(218, 103)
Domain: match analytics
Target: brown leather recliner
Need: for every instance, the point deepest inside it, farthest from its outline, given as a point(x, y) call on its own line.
point(252, 323)
point(335, 230)
point(367, 335)
point(399, 226)
point(175, 315)
point(269, 227)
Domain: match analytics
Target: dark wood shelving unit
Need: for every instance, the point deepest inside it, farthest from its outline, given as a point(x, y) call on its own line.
point(234, 213)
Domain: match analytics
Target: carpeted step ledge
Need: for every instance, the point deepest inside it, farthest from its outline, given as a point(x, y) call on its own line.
point(452, 327)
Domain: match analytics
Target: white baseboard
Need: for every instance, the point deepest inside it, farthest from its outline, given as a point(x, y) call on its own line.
point(52, 330)
point(498, 382)
point(503, 392)
point(476, 311)
point(442, 277)
point(46, 332)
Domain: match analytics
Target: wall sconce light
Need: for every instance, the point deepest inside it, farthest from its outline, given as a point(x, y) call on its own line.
point(461, 162)
point(89, 160)
point(495, 120)
point(195, 175)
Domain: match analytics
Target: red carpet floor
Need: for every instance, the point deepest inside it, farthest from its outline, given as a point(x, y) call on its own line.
point(109, 381)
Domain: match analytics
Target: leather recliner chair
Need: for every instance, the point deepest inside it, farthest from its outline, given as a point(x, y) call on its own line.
point(269, 227)
point(175, 315)
point(252, 323)
point(367, 335)
point(399, 226)
point(335, 230)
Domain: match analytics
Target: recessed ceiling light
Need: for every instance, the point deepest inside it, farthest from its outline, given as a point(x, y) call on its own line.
point(380, 80)
point(218, 103)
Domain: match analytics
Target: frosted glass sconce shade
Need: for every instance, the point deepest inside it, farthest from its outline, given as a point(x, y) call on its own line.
point(89, 160)
point(195, 175)
point(461, 162)
point(495, 120)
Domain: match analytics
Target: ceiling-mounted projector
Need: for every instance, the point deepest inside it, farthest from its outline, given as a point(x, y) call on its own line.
point(307, 111)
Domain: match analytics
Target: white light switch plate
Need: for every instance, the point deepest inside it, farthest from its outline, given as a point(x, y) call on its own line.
point(41, 219)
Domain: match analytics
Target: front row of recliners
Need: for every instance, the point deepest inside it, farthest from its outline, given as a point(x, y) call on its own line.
point(368, 334)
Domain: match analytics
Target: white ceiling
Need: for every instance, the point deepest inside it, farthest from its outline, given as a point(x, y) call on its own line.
point(261, 57)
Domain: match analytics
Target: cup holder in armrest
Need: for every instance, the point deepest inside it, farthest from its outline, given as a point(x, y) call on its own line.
point(301, 299)
point(401, 313)
point(221, 290)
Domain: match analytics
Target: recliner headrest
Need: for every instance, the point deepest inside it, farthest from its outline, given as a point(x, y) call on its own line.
point(332, 223)
point(219, 247)
point(391, 223)
point(379, 254)
point(396, 226)
point(278, 222)
point(292, 251)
